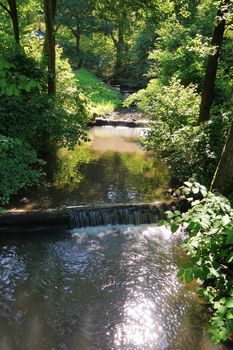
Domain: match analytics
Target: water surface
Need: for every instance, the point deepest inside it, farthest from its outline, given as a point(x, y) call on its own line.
point(97, 289)
point(111, 168)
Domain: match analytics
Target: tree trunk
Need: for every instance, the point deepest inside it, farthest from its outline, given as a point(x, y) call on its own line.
point(78, 37)
point(15, 20)
point(13, 13)
point(223, 177)
point(212, 65)
point(50, 9)
point(119, 51)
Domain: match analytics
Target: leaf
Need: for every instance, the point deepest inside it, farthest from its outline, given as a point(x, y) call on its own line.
point(229, 303)
point(226, 220)
point(188, 184)
point(214, 272)
point(230, 315)
point(203, 192)
point(229, 239)
point(174, 227)
point(195, 190)
point(169, 214)
point(223, 333)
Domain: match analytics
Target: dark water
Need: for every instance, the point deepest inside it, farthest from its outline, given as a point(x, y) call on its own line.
point(112, 168)
point(97, 289)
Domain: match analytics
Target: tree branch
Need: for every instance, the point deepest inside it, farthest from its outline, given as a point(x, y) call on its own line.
point(73, 31)
point(113, 38)
point(6, 9)
point(57, 27)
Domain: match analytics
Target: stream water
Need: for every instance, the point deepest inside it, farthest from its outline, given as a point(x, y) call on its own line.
point(99, 288)
point(111, 168)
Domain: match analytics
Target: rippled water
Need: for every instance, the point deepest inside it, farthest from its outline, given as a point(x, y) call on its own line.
point(97, 289)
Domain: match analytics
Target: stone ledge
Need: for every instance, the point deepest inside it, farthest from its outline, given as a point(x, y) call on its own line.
point(62, 216)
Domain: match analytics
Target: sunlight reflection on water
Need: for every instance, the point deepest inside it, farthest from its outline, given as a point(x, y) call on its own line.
point(99, 288)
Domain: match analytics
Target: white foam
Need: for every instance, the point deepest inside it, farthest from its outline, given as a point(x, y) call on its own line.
point(148, 232)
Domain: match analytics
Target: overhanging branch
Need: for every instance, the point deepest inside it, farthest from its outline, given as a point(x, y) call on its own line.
point(6, 9)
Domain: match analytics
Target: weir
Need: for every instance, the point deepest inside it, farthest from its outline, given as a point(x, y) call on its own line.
point(83, 216)
point(118, 214)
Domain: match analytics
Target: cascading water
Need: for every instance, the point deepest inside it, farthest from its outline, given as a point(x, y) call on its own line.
point(118, 214)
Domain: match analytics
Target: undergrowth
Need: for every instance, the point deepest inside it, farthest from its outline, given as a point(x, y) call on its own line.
point(209, 224)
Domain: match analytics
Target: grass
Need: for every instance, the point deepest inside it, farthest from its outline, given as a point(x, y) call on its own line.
point(103, 98)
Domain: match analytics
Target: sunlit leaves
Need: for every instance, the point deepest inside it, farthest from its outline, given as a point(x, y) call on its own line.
point(209, 223)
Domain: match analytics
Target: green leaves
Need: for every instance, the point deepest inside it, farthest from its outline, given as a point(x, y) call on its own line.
point(209, 224)
point(19, 167)
point(229, 236)
point(186, 273)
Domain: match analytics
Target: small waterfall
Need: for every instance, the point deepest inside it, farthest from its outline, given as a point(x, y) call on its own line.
point(120, 214)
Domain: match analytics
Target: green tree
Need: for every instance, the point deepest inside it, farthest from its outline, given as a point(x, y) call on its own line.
point(80, 17)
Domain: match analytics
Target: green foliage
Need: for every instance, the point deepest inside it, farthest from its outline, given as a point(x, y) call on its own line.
point(27, 113)
point(209, 223)
point(19, 167)
point(19, 74)
point(188, 149)
point(177, 53)
point(103, 99)
point(172, 134)
point(192, 151)
point(29, 116)
point(173, 105)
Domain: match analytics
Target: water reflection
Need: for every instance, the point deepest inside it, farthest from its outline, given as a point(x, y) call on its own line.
point(112, 168)
point(98, 288)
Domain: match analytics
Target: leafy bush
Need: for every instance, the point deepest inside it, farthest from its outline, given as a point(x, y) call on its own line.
point(19, 167)
point(172, 106)
point(20, 74)
point(193, 151)
point(209, 223)
point(26, 111)
point(173, 110)
point(189, 150)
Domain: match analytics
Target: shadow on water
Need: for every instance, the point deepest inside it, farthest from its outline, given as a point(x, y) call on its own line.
point(112, 168)
point(99, 288)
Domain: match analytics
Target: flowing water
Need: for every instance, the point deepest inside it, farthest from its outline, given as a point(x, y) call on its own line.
point(101, 288)
point(111, 168)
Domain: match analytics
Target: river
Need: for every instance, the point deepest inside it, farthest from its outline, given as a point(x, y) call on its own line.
point(99, 288)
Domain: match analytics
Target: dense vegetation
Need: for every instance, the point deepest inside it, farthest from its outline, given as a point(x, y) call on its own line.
point(209, 223)
point(179, 56)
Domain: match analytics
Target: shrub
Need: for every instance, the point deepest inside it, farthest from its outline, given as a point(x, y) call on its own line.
point(26, 111)
point(19, 167)
point(209, 245)
point(170, 105)
point(189, 150)
point(192, 151)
